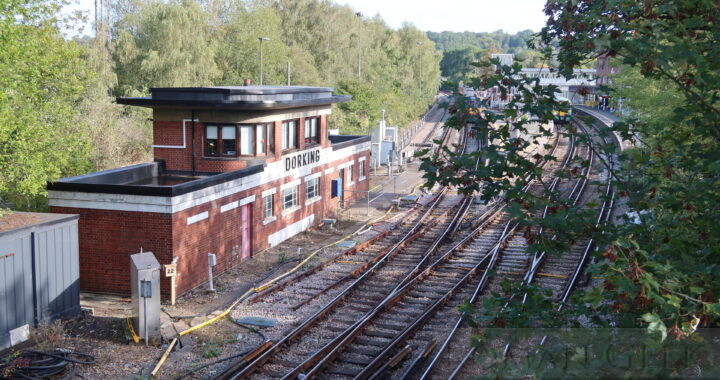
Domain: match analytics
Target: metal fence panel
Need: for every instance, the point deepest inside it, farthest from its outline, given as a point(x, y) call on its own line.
point(39, 276)
point(16, 295)
point(57, 272)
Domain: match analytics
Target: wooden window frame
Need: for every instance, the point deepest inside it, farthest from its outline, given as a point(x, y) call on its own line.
point(311, 140)
point(282, 135)
point(219, 139)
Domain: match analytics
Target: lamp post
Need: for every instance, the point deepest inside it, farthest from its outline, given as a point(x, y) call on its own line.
point(421, 69)
point(261, 39)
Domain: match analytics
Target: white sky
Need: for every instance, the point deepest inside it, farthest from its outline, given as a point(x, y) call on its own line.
point(436, 15)
point(456, 15)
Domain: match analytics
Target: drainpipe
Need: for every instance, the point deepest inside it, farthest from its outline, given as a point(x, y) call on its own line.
point(192, 140)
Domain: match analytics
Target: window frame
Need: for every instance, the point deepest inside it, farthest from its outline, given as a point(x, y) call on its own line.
point(219, 139)
point(350, 174)
point(309, 138)
point(271, 198)
point(315, 184)
point(294, 200)
point(284, 139)
point(361, 170)
point(268, 146)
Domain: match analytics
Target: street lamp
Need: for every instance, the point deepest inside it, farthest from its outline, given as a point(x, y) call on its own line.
point(261, 58)
point(421, 69)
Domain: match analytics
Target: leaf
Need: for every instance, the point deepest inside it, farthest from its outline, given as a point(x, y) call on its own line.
point(655, 324)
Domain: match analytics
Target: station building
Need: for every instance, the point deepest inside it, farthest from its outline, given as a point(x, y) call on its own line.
point(236, 170)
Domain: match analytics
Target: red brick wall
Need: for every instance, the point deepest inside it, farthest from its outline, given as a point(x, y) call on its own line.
point(108, 238)
point(170, 133)
point(221, 232)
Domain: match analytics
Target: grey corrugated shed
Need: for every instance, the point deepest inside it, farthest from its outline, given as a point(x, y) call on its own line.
point(39, 273)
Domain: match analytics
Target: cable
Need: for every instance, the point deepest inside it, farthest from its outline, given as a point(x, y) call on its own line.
point(43, 365)
point(249, 328)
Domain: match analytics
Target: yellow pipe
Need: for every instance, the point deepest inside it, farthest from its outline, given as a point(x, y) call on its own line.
point(132, 331)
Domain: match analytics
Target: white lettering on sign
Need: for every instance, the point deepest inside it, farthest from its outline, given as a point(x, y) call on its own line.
point(302, 159)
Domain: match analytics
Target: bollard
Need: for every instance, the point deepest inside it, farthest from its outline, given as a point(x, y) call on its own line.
point(212, 261)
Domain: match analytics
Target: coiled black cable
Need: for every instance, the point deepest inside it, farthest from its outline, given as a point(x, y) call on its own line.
point(43, 365)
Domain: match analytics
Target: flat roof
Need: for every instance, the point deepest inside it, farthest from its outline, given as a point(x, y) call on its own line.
point(152, 179)
point(240, 98)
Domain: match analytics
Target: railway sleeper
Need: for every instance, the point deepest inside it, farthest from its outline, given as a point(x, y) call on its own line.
point(351, 358)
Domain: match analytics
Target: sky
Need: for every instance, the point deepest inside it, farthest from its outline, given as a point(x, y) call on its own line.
point(456, 15)
point(436, 15)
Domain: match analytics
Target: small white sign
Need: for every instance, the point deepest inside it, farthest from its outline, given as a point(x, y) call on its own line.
point(170, 270)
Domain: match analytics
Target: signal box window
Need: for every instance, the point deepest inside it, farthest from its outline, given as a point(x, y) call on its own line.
point(289, 135)
point(311, 131)
point(220, 141)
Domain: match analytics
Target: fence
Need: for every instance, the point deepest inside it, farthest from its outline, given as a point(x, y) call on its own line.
point(39, 274)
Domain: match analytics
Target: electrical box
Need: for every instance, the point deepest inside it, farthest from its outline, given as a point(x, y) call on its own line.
point(145, 289)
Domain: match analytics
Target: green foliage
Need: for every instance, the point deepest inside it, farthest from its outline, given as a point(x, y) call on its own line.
point(57, 107)
point(181, 43)
point(160, 43)
point(455, 64)
point(662, 271)
point(42, 79)
point(460, 49)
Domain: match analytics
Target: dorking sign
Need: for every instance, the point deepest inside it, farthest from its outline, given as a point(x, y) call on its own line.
point(302, 159)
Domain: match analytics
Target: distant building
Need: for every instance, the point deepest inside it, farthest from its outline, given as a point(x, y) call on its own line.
point(236, 170)
point(579, 90)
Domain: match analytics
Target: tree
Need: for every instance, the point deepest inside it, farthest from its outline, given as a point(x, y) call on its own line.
point(661, 272)
point(161, 43)
point(42, 79)
point(238, 55)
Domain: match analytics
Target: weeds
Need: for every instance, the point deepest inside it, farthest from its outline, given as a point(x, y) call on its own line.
point(48, 336)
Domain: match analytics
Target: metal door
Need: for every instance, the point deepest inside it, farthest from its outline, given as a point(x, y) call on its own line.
point(245, 230)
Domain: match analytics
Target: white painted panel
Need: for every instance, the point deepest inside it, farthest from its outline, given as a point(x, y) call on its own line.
point(312, 176)
point(345, 164)
point(197, 217)
point(269, 191)
point(290, 184)
point(139, 203)
point(246, 200)
point(290, 231)
point(229, 206)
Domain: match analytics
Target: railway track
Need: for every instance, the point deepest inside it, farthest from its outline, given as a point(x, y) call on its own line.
point(558, 273)
point(398, 307)
point(367, 350)
point(445, 276)
point(345, 288)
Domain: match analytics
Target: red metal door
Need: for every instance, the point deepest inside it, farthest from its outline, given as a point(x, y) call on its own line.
point(245, 230)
